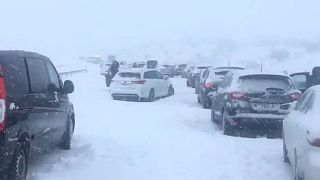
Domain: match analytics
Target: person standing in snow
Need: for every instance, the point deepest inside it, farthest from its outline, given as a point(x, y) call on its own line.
point(113, 70)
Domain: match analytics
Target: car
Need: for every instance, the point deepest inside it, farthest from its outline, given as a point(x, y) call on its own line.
point(249, 100)
point(168, 70)
point(104, 67)
point(152, 64)
point(305, 80)
point(35, 111)
point(194, 76)
point(141, 85)
point(180, 68)
point(138, 65)
point(198, 78)
point(210, 82)
point(187, 71)
point(301, 135)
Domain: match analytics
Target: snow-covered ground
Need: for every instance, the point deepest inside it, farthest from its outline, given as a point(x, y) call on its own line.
point(170, 139)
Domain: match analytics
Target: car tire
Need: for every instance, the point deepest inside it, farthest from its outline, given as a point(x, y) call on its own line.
point(67, 136)
point(285, 152)
point(19, 166)
point(226, 126)
point(206, 103)
point(170, 91)
point(151, 95)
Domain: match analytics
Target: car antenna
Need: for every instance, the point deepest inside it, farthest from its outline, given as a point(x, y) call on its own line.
point(261, 68)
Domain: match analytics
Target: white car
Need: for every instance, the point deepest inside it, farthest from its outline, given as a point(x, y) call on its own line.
point(140, 85)
point(301, 136)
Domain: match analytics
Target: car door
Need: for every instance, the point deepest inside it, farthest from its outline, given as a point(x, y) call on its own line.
point(292, 130)
point(59, 103)
point(152, 81)
point(157, 83)
point(38, 100)
point(301, 81)
point(220, 96)
point(163, 84)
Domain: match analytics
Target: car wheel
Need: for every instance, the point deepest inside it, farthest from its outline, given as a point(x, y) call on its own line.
point(151, 95)
point(285, 152)
point(204, 102)
point(67, 136)
point(19, 167)
point(297, 174)
point(226, 127)
point(170, 91)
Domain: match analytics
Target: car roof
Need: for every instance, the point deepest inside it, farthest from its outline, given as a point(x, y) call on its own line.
point(249, 73)
point(136, 70)
point(19, 53)
point(229, 68)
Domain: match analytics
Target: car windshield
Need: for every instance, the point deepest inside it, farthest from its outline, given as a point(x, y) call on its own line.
point(263, 82)
point(182, 66)
point(129, 75)
point(141, 65)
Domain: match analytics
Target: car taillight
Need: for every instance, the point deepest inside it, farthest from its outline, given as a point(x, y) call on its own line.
point(295, 96)
point(210, 86)
point(237, 96)
point(2, 100)
point(315, 142)
point(138, 82)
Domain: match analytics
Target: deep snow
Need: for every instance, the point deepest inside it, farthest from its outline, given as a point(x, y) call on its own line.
point(170, 139)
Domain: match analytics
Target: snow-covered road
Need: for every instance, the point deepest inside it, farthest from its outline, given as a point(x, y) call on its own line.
point(170, 139)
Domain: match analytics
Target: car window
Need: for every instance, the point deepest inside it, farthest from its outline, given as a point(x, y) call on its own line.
point(39, 78)
point(227, 80)
point(306, 102)
point(16, 78)
point(263, 82)
point(129, 75)
point(300, 81)
point(53, 75)
point(159, 75)
point(150, 75)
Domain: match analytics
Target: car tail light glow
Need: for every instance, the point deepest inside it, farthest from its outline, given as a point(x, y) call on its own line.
point(315, 142)
point(210, 86)
point(237, 96)
point(138, 82)
point(2, 100)
point(295, 96)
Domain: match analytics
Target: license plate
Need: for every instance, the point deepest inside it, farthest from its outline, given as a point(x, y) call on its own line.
point(265, 107)
point(125, 83)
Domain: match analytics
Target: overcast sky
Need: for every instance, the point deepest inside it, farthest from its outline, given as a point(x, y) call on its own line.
point(66, 29)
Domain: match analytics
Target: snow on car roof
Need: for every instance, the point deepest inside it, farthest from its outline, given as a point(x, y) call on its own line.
point(248, 73)
point(136, 70)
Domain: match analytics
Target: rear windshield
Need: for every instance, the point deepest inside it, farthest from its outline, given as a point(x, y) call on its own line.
point(141, 65)
point(182, 66)
point(264, 82)
point(129, 75)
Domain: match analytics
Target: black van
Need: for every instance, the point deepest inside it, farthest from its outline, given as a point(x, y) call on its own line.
point(35, 111)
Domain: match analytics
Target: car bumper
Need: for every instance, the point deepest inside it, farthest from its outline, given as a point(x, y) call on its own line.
point(128, 93)
point(258, 120)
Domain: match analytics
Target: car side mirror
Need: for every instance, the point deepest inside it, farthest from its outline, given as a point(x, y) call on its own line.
point(68, 87)
point(166, 77)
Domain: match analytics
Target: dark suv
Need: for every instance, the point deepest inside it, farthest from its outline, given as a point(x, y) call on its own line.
point(252, 100)
point(35, 111)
